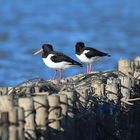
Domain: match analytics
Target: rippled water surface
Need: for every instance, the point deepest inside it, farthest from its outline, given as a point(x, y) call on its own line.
point(112, 26)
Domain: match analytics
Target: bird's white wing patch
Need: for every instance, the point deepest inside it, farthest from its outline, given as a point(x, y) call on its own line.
point(58, 65)
point(85, 51)
point(84, 59)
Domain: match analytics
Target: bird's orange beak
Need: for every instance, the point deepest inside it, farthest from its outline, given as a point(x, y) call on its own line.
point(39, 51)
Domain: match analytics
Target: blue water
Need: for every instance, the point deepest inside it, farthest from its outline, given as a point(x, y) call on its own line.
point(112, 26)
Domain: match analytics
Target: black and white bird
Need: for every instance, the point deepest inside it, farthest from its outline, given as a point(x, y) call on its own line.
point(56, 60)
point(88, 55)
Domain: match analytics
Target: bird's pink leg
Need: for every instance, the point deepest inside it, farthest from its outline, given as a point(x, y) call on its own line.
point(87, 68)
point(60, 74)
point(90, 68)
point(55, 72)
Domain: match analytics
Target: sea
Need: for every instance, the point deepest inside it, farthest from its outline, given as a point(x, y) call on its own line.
point(111, 26)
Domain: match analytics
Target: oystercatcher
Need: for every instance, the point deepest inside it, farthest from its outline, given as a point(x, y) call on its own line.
point(56, 60)
point(88, 55)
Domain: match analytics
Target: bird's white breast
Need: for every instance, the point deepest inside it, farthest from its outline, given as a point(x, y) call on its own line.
point(54, 65)
point(82, 57)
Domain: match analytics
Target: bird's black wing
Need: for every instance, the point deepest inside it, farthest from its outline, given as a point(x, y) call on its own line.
point(93, 53)
point(59, 57)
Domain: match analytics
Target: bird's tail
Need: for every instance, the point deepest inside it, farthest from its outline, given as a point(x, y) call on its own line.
point(106, 54)
point(78, 64)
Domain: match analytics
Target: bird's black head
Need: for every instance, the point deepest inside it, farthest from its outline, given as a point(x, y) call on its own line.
point(47, 47)
point(79, 46)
